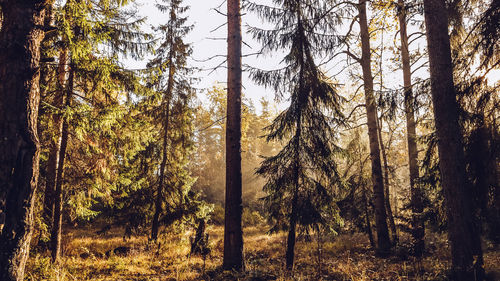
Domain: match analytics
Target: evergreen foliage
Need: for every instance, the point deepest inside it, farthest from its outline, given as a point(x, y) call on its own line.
point(143, 152)
point(302, 178)
point(90, 36)
point(165, 116)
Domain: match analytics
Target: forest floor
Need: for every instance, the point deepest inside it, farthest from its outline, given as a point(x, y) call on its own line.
point(345, 257)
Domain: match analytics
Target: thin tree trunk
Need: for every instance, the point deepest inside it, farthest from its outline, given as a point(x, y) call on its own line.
point(290, 242)
point(387, 195)
point(48, 202)
point(390, 217)
point(56, 236)
point(365, 200)
point(319, 241)
point(233, 234)
point(392, 223)
point(168, 97)
point(50, 185)
point(383, 241)
point(163, 165)
point(367, 218)
point(290, 245)
point(20, 38)
point(463, 235)
point(198, 245)
point(418, 229)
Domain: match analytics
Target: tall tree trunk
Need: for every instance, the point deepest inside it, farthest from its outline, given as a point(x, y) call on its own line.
point(482, 171)
point(163, 165)
point(418, 228)
point(161, 184)
point(290, 245)
point(367, 218)
point(387, 197)
point(290, 242)
point(20, 38)
point(233, 234)
point(390, 216)
point(463, 234)
point(166, 126)
point(48, 201)
point(383, 241)
point(494, 210)
point(492, 181)
point(55, 239)
point(365, 200)
point(50, 185)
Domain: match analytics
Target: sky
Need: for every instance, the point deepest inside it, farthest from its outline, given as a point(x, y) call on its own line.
point(208, 40)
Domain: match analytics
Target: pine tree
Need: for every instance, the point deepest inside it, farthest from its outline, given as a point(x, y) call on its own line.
point(418, 231)
point(175, 90)
point(62, 144)
point(472, 45)
point(383, 241)
point(83, 70)
point(301, 177)
point(360, 15)
point(233, 233)
point(462, 232)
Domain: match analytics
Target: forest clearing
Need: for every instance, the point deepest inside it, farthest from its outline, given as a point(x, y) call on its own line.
point(249, 140)
point(347, 257)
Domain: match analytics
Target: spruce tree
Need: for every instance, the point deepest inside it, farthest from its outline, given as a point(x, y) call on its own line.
point(383, 241)
point(170, 80)
point(464, 237)
point(418, 227)
point(301, 177)
point(86, 72)
point(233, 233)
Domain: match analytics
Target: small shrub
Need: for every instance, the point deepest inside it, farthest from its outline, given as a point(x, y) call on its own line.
point(251, 218)
point(217, 216)
point(40, 268)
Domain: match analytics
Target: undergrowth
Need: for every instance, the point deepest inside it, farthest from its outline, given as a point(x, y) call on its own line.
point(345, 257)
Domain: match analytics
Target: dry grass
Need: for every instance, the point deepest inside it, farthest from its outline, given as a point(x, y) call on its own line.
point(346, 257)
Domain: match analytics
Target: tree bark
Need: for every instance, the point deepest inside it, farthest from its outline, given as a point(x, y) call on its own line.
point(390, 217)
point(387, 195)
point(55, 239)
point(290, 245)
point(462, 232)
point(365, 200)
point(48, 200)
point(290, 242)
point(367, 218)
point(20, 39)
point(163, 165)
point(233, 234)
point(418, 227)
point(383, 241)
